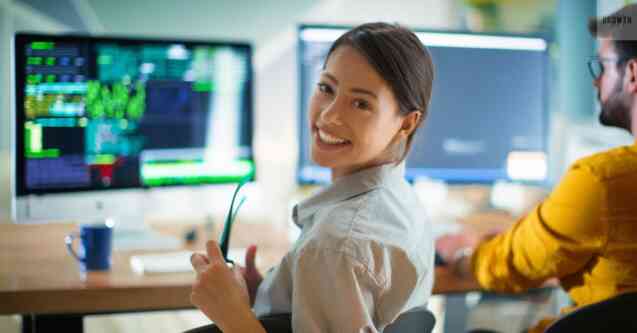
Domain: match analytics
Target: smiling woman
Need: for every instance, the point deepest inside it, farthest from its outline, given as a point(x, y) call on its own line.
point(361, 115)
point(389, 75)
point(365, 254)
point(354, 115)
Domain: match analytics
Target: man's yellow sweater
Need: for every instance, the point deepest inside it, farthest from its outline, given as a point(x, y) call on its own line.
point(584, 234)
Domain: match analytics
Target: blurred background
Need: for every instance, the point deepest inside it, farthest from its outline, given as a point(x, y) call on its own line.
point(271, 28)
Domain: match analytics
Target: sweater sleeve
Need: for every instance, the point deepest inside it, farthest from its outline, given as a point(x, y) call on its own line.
point(559, 237)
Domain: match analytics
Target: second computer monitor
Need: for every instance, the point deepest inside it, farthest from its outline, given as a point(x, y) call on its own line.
point(487, 118)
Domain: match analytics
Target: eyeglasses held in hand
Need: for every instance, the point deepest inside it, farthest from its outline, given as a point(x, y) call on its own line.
point(224, 242)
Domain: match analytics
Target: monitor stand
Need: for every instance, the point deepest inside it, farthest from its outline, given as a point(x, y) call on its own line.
point(125, 207)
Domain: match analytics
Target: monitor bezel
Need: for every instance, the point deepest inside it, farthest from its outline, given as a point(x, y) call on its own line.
point(20, 39)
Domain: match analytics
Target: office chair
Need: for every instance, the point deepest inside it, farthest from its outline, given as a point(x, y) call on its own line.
point(416, 320)
point(615, 314)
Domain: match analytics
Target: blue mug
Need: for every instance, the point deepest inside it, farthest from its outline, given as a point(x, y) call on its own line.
point(94, 253)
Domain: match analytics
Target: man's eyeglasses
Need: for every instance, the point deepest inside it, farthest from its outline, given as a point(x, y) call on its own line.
point(596, 65)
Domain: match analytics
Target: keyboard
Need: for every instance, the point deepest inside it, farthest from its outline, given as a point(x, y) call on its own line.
point(172, 262)
point(176, 262)
point(143, 239)
point(442, 228)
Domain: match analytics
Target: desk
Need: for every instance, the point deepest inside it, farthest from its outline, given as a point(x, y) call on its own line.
point(39, 278)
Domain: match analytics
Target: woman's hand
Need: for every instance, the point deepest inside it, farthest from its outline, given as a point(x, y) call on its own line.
point(251, 274)
point(221, 293)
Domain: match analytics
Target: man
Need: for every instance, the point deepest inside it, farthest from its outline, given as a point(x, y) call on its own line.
point(585, 232)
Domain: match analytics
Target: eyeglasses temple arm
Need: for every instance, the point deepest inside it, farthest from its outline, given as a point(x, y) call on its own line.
point(224, 242)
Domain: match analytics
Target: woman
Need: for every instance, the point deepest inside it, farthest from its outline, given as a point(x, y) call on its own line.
point(365, 254)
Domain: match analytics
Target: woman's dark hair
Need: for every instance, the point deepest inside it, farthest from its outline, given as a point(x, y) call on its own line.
point(400, 59)
point(619, 27)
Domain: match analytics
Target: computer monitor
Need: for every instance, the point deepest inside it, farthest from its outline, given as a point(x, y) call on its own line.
point(99, 118)
point(487, 117)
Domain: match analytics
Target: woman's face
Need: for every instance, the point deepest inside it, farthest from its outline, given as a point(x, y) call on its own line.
point(354, 117)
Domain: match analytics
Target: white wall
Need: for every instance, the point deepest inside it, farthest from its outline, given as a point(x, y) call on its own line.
point(270, 26)
point(14, 16)
point(5, 112)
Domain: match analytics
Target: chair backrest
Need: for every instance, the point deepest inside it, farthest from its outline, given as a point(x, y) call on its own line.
point(617, 314)
point(416, 320)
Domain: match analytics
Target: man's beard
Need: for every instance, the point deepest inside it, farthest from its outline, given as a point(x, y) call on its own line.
point(614, 111)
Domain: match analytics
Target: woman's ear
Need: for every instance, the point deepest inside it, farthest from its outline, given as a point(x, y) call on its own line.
point(631, 75)
point(410, 123)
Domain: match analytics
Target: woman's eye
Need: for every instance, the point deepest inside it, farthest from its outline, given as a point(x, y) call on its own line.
point(361, 104)
point(324, 88)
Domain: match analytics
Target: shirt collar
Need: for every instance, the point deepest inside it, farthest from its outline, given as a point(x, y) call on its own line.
point(347, 187)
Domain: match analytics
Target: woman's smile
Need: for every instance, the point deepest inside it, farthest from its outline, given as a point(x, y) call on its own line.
point(329, 142)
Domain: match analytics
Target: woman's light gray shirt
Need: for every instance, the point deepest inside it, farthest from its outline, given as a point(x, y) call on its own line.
point(364, 256)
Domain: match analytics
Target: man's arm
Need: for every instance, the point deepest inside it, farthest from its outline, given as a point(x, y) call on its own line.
point(556, 239)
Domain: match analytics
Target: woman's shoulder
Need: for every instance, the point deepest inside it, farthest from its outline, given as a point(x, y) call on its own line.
point(375, 257)
point(375, 220)
point(384, 201)
point(380, 215)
